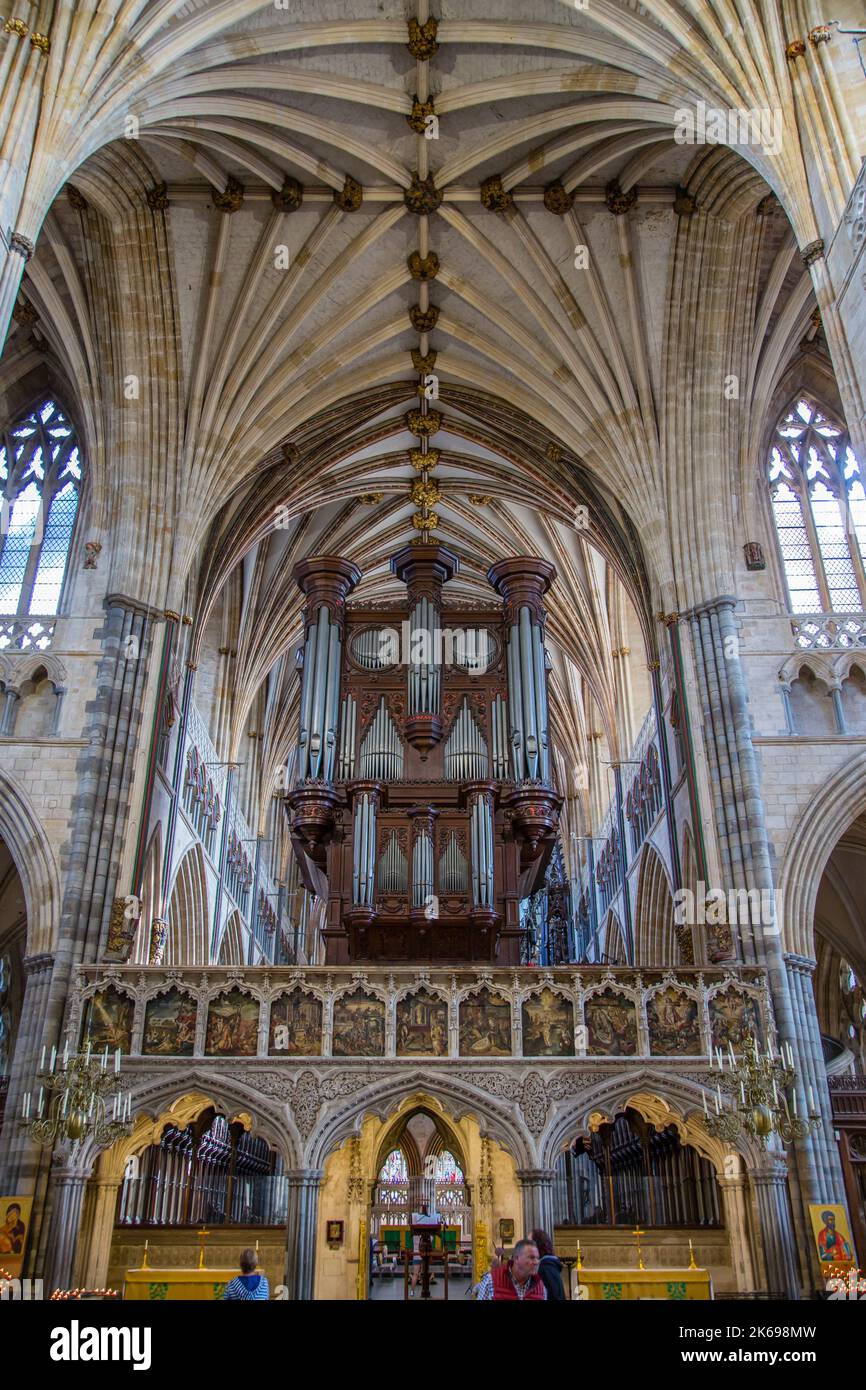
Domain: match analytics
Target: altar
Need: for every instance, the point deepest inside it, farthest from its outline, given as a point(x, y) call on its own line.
point(169, 1285)
point(621, 1285)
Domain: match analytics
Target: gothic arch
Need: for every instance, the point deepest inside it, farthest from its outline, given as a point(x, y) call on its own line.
point(614, 944)
point(655, 938)
point(34, 859)
point(150, 896)
point(446, 1094)
point(820, 825)
point(188, 940)
point(662, 1100)
point(231, 948)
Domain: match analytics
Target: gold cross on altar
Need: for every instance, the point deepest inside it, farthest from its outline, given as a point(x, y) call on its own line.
point(637, 1233)
point(201, 1235)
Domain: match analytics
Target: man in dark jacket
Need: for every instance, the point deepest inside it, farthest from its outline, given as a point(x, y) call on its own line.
point(549, 1267)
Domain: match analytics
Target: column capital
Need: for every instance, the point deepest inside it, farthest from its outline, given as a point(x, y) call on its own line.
point(328, 580)
point(134, 605)
point(803, 965)
point(38, 964)
point(304, 1177)
point(522, 582)
point(535, 1176)
point(711, 605)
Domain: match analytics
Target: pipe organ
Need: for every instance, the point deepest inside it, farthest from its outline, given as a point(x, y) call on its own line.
point(423, 810)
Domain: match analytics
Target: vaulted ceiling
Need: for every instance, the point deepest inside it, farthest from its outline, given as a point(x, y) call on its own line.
point(262, 257)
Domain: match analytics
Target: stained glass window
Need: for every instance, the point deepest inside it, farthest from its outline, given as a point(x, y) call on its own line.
point(819, 507)
point(394, 1168)
point(448, 1169)
point(40, 476)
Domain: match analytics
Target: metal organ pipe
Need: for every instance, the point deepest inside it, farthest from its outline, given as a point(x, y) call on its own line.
point(541, 700)
point(306, 705)
point(348, 718)
point(515, 704)
point(422, 869)
point(527, 688)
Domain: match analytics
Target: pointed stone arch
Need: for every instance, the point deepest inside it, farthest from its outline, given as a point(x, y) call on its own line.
point(231, 947)
point(151, 896)
point(34, 859)
point(188, 939)
point(613, 947)
point(655, 936)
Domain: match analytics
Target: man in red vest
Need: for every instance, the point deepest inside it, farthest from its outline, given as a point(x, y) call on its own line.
point(518, 1278)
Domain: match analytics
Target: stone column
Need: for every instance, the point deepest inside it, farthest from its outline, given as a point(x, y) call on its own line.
point(303, 1209)
point(536, 1190)
point(20, 1155)
point(775, 1227)
point(96, 1232)
point(736, 1208)
point(67, 1186)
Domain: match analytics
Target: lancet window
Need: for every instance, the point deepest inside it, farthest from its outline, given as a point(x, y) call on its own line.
point(819, 508)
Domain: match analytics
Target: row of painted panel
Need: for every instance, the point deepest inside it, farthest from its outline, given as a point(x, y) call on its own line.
point(358, 1030)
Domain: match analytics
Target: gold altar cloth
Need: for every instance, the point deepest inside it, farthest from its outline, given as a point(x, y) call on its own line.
point(622, 1284)
point(157, 1285)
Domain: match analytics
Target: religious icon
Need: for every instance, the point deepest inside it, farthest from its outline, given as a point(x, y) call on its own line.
point(611, 1025)
point(733, 1016)
point(422, 1025)
point(359, 1026)
point(548, 1025)
point(295, 1026)
point(334, 1232)
point(169, 1025)
point(506, 1230)
point(485, 1025)
point(232, 1025)
point(674, 1027)
point(14, 1226)
point(832, 1233)
point(108, 1022)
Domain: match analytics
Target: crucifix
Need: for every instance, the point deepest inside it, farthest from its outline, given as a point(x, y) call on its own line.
point(201, 1235)
point(637, 1233)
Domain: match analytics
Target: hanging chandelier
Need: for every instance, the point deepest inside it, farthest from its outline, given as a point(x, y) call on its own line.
point(75, 1095)
point(759, 1086)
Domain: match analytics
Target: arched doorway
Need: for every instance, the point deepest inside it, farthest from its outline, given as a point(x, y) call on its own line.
point(393, 1162)
point(420, 1171)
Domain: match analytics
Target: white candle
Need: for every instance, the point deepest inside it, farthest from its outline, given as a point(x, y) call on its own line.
point(116, 1061)
point(24, 1101)
point(731, 1054)
point(718, 1101)
point(742, 1093)
point(42, 1059)
point(704, 1094)
point(41, 1102)
point(66, 1052)
point(770, 1049)
point(794, 1093)
point(775, 1094)
point(53, 1057)
point(811, 1100)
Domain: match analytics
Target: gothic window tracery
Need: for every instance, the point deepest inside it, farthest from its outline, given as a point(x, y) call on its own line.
point(40, 475)
point(819, 509)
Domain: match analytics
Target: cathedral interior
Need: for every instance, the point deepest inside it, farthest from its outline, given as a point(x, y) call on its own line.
point(433, 643)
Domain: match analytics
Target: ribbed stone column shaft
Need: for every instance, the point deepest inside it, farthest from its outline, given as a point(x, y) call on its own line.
point(536, 1191)
point(776, 1231)
point(20, 1156)
point(303, 1210)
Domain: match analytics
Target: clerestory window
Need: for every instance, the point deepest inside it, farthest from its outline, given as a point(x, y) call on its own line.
point(40, 478)
point(819, 507)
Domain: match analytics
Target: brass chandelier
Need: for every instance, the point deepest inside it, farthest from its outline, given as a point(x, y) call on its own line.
point(75, 1095)
point(759, 1086)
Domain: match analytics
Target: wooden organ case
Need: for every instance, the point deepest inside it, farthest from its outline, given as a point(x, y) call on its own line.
point(424, 808)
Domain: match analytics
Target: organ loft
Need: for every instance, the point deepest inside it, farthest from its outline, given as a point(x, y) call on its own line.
point(423, 808)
